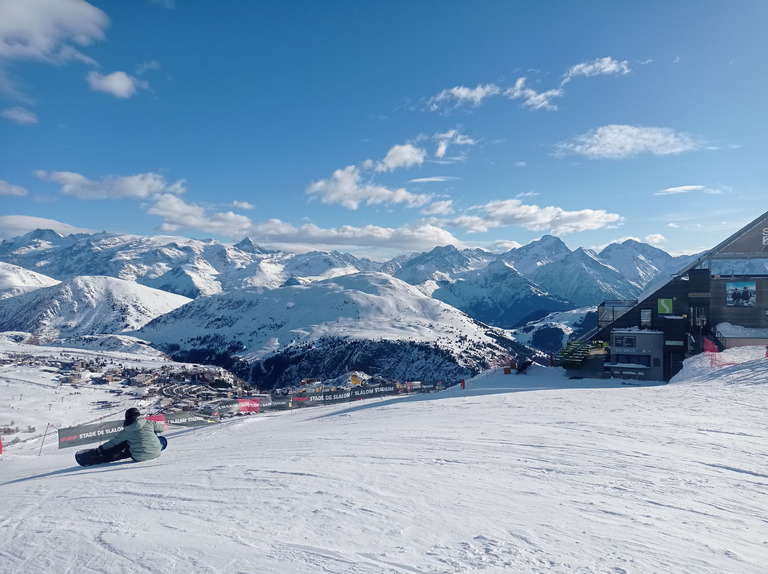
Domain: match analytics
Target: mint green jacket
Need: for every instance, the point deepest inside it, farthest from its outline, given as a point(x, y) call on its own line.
point(141, 437)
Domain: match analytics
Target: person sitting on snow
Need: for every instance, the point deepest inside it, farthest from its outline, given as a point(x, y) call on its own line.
point(138, 439)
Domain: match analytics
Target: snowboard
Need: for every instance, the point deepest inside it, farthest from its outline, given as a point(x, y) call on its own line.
point(93, 456)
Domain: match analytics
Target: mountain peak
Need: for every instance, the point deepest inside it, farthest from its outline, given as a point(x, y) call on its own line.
point(442, 262)
point(637, 261)
point(528, 258)
point(247, 245)
point(44, 234)
point(549, 240)
point(584, 279)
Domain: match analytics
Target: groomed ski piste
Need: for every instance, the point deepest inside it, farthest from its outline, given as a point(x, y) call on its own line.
point(515, 473)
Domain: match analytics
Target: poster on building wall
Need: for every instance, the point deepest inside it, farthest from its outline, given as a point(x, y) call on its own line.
point(740, 293)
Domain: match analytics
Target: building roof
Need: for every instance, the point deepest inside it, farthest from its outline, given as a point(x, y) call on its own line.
point(749, 242)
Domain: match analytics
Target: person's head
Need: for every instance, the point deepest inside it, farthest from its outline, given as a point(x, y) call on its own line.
point(131, 415)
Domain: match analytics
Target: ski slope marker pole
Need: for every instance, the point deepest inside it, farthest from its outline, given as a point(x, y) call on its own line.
point(43, 441)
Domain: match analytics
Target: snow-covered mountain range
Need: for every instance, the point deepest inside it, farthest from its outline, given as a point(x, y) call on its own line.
point(275, 316)
point(370, 322)
point(15, 280)
point(86, 306)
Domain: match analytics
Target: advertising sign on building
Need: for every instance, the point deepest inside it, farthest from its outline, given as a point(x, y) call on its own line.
point(740, 293)
point(665, 306)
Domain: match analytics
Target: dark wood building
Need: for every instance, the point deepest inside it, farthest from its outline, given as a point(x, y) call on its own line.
point(727, 284)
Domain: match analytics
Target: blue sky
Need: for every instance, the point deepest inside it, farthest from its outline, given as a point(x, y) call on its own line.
point(386, 127)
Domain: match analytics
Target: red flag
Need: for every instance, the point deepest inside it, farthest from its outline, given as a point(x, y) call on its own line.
point(709, 346)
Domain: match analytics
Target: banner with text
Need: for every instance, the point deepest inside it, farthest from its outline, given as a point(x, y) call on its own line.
point(103, 431)
point(342, 395)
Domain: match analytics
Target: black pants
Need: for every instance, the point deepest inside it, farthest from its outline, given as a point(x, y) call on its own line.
point(117, 452)
point(121, 450)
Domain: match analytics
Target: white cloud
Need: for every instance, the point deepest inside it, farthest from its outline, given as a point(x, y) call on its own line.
point(144, 67)
point(620, 141)
point(9, 189)
point(118, 84)
point(138, 186)
point(673, 225)
point(398, 156)
point(10, 89)
point(417, 237)
point(655, 239)
point(462, 95)
point(435, 179)
point(49, 30)
point(472, 223)
point(344, 188)
point(451, 138)
point(20, 116)
point(242, 204)
point(689, 189)
point(439, 208)
point(15, 225)
point(531, 98)
point(598, 67)
point(555, 220)
point(503, 245)
point(680, 189)
point(177, 214)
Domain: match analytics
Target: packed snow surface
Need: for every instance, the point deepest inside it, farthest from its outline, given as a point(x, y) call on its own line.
point(515, 473)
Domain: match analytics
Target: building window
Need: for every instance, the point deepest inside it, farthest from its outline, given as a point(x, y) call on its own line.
point(645, 317)
point(644, 360)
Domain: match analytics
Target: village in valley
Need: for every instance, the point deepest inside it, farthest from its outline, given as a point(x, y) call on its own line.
point(157, 384)
point(107, 382)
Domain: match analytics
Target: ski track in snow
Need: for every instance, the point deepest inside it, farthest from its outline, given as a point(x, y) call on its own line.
point(587, 477)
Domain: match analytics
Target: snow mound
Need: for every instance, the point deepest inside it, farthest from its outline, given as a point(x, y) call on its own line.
point(738, 366)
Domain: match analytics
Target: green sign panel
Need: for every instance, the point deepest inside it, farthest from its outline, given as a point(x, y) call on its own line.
point(665, 306)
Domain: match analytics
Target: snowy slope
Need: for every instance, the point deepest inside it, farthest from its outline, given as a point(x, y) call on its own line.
point(365, 305)
point(583, 279)
point(551, 333)
point(177, 264)
point(442, 263)
point(500, 290)
point(190, 280)
point(319, 265)
point(497, 295)
point(344, 323)
point(638, 262)
point(528, 258)
point(114, 255)
point(15, 280)
point(519, 474)
point(86, 306)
